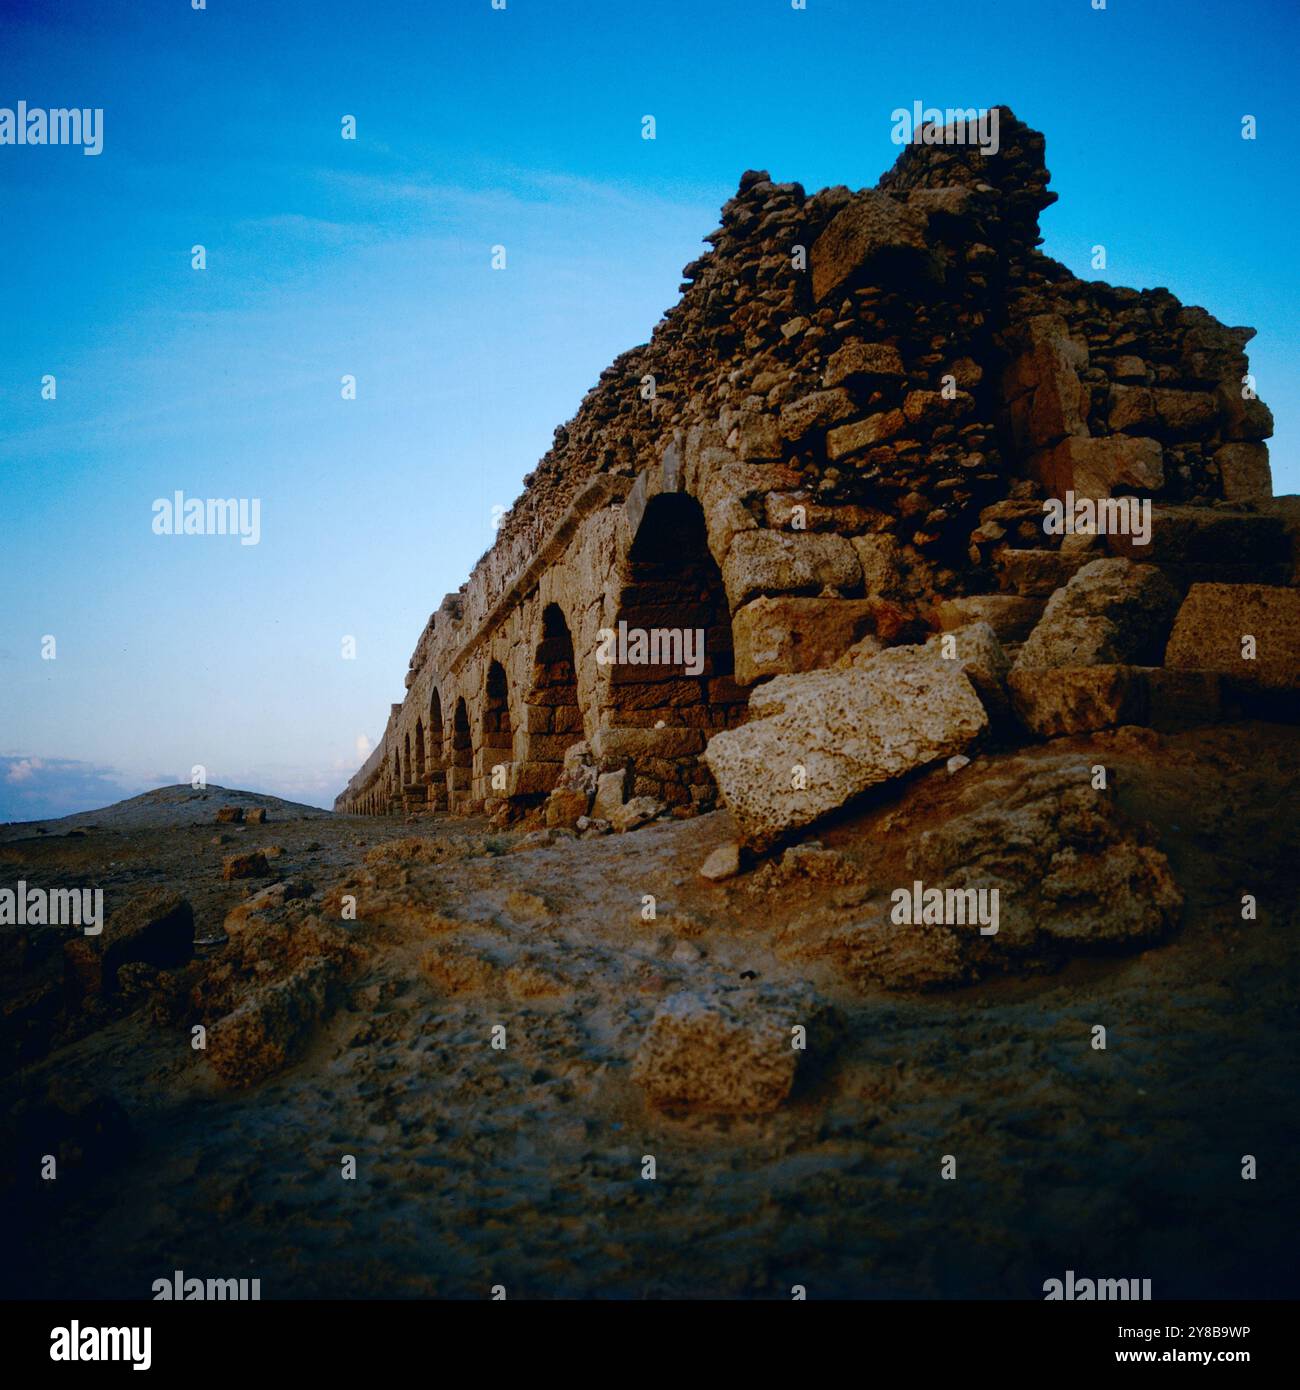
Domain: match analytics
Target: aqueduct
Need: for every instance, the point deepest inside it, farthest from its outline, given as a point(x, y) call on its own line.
point(844, 431)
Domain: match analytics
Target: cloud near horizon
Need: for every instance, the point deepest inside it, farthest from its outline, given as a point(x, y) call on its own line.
point(34, 788)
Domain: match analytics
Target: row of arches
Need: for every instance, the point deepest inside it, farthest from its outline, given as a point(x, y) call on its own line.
point(504, 743)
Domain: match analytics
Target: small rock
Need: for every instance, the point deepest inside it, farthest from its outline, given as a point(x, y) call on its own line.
point(957, 762)
point(252, 865)
point(723, 863)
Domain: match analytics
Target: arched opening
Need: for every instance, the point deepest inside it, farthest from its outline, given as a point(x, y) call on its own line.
point(437, 759)
point(419, 751)
point(672, 660)
point(553, 717)
point(498, 734)
point(460, 771)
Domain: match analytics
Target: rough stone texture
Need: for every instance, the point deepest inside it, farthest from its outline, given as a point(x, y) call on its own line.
point(848, 730)
point(723, 863)
point(1112, 611)
point(1213, 620)
point(156, 927)
point(270, 1025)
point(775, 636)
point(872, 228)
point(978, 654)
point(1245, 472)
point(728, 1051)
point(250, 865)
point(1011, 616)
point(1072, 873)
point(772, 562)
point(1055, 700)
point(885, 422)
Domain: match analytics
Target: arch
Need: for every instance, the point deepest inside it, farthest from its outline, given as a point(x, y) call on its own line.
point(419, 750)
point(497, 742)
point(461, 762)
point(437, 758)
point(672, 668)
point(552, 714)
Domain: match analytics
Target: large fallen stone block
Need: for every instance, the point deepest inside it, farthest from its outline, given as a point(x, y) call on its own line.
point(819, 738)
point(1112, 611)
point(976, 651)
point(1071, 873)
point(1216, 620)
point(732, 1051)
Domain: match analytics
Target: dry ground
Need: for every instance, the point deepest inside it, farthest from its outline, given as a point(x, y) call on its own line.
point(523, 1167)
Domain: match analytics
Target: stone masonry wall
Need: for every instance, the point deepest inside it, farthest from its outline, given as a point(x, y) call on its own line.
point(842, 433)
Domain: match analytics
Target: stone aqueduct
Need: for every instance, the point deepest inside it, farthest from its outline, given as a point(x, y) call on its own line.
point(513, 691)
point(845, 429)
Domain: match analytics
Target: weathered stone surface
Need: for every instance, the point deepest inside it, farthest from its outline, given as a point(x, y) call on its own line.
point(777, 562)
point(1011, 616)
point(250, 865)
point(638, 811)
point(1055, 700)
point(857, 360)
point(774, 636)
point(815, 412)
point(271, 1025)
point(1112, 611)
point(156, 926)
point(727, 1052)
point(873, 228)
point(229, 815)
point(852, 439)
point(1037, 573)
point(609, 794)
point(564, 806)
point(976, 651)
point(1213, 622)
point(847, 730)
point(1091, 467)
point(1071, 872)
point(1245, 471)
point(256, 815)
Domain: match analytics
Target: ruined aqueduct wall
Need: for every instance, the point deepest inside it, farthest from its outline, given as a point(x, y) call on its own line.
point(846, 426)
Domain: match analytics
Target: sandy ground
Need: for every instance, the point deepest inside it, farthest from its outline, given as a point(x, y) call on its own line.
point(522, 1167)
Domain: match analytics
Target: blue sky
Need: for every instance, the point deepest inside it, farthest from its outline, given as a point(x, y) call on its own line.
point(372, 257)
